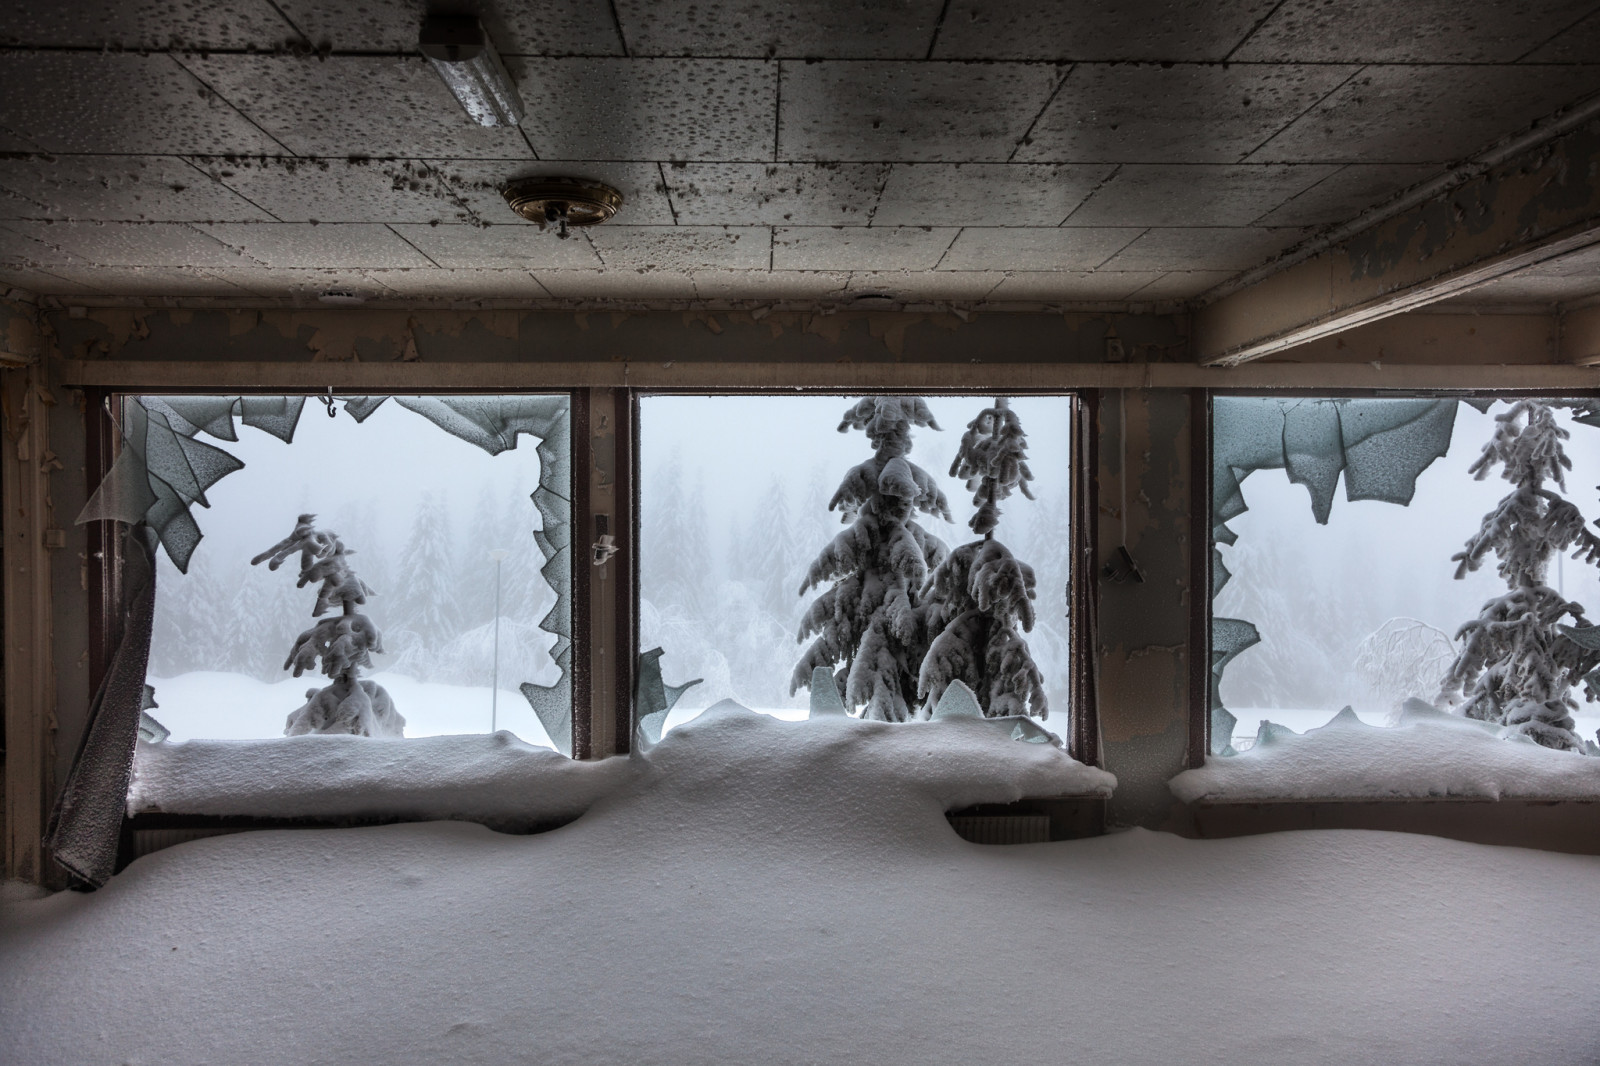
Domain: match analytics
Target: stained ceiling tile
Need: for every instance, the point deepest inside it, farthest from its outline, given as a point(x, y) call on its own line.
point(768, 284)
point(678, 249)
point(457, 284)
point(1417, 31)
point(775, 194)
point(344, 106)
point(823, 29)
point(985, 194)
point(1174, 113)
point(1182, 285)
point(515, 245)
point(119, 189)
point(1426, 114)
point(306, 284)
point(665, 109)
point(41, 282)
point(478, 182)
point(20, 250)
point(305, 244)
point(924, 285)
point(549, 27)
point(1347, 192)
point(139, 25)
point(341, 190)
point(1096, 29)
point(1070, 248)
point(1069, 286)
point(1199, 195)
point(149, 281)
point(935, 112)
point(131, 244)
point(1203, 248)
point(854, 248)
point(616, 285)
point(119, 103)
point(1577, 44)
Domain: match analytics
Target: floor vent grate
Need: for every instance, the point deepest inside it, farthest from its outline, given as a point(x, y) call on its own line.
point(1002, 828)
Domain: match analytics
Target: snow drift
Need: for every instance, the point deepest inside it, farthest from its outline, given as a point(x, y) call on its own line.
point(1428, 754)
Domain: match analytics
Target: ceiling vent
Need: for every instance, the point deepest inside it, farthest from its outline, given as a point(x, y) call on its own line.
point(556, 203)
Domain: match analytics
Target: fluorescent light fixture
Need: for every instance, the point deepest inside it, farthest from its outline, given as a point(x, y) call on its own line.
point(460, 51)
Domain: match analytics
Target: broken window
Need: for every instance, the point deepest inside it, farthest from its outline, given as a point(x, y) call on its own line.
point(1321, 603)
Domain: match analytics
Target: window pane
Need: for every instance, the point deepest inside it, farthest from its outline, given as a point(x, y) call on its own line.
point(734, 496)
point(436, 525)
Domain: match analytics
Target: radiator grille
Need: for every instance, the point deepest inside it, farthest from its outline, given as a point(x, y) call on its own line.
point(1002, 828)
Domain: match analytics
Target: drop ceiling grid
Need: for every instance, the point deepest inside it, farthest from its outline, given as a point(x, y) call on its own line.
point(960, 150)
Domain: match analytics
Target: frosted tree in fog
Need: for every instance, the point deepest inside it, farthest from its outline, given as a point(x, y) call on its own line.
point(1515, 667)
point(343, 642)
point(868, 620)
point(978, 596)
point(429, 610)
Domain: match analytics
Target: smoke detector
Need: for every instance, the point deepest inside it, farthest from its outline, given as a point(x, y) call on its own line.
point(556, 203)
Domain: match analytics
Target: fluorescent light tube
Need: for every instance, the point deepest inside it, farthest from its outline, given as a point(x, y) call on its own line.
point(460, 51)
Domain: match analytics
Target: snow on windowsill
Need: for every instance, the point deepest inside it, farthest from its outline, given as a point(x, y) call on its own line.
point(504, 783)
point(1429, 755)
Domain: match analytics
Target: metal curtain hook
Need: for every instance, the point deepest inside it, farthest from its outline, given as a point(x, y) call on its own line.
point(328, 402)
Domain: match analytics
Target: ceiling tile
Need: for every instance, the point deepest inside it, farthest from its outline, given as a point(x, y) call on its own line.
point(1096, 29)
point(854, 248)
point(1199, 195)
point(825, 29)
point(1426, 114)
point(1071, 248)
point(118, 103)
point(775, 194)
point(149, 281)
point(1575, 45)
point(40, 282)
point(1175, 113)
point(477, 183)
point(679, 249)
point(1182, 285)
point(985, 194)
point(135, 25)
point(891, 112)
point(306, 244)
point(716, 109)
point(1068, 286)
point(768, 284)
point(458, 284)
point(341, 190)
point(549, 27)
point(515, 245)
point(925, 285)
point(304, 284)
point(117, 188)
point(616, 285)
point(1346, 193)
point(131, 244)
point(1417, 31)
point(346, 106)
point(1203, 248)
point(19, 250)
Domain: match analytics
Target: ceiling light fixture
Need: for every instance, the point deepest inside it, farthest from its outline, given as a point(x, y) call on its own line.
point(460, 51)
point(561, 202)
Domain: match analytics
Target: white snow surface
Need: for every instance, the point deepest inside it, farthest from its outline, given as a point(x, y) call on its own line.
point(501, 781)
point(765, 892)
point(1428, 754)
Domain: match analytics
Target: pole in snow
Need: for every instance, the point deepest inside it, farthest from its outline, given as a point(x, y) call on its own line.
point(498, 555)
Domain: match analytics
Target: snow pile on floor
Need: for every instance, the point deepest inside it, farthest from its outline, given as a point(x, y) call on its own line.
point(504, 783)
point(1429, 753)
point(766, 892)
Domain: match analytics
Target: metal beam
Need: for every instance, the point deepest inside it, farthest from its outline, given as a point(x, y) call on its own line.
point(1523, 210)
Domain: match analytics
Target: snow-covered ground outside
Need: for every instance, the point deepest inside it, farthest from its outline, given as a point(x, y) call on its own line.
point(1426, 754)
point(756, 891)
point(1301, 720)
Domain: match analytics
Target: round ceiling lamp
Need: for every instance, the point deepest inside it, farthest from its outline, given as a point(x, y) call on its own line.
point(561, 202)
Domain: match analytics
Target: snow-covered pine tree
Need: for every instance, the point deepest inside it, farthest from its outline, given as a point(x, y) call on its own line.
point(1515, 667)
point(978, 596)
point(345, 642)
point(869, 619)
point(429, 609)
